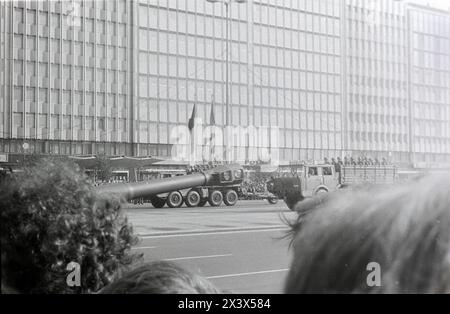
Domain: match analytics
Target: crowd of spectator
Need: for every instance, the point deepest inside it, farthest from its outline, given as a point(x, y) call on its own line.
point(111, 181)
point(254, 185)
point(202, 167)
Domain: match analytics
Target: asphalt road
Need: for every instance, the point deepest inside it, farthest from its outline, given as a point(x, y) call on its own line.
point(241, 249)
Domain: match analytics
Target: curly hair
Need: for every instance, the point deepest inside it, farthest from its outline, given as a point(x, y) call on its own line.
point(51, 216)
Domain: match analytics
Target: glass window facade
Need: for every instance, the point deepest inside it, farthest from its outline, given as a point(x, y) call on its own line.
point(376, 98)
point(430, 85)
point(274, 62)
point(68, 74)
point(336, 76)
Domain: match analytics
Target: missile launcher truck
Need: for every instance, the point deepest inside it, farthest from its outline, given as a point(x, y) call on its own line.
point(215, 186)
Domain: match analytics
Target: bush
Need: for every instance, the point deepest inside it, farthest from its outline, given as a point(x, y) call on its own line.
point(51, 216)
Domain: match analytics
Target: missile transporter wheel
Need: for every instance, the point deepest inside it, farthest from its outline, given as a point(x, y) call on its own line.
point(321, 191)
point(157, 202)
point(230, 197)
point(193, 199)
point(174, 199)
point(215, 198)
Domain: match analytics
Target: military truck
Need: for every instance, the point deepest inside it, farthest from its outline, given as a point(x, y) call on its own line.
point(314, 179)
point(213, 186)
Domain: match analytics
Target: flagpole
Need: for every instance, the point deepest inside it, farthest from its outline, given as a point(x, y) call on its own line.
point(227, 84)
point(227, 4)
point(212, 122)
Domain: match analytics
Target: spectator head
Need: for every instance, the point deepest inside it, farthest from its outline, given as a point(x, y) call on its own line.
point(404, 229)
point(7, 290)
point(160, 277)
point(51, 216)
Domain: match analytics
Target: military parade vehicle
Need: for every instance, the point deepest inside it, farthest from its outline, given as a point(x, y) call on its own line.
point(311, 180)
point(215, 186)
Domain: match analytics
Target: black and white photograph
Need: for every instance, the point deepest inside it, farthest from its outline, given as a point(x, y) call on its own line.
point(243, 148)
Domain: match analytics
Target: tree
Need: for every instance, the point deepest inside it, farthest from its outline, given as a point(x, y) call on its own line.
point(103, 168)
point(51, 217)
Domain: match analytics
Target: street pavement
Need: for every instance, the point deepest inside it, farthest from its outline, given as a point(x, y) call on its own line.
point(241, 249)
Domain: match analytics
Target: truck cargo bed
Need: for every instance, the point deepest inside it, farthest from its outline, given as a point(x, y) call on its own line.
point(368, 174)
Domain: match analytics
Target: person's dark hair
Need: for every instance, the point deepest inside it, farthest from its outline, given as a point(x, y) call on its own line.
point(51, 216)
point(161, 277)
point(7, 290)
point(405, 229)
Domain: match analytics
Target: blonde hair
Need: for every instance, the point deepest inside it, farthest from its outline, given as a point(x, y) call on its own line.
point(403, 228)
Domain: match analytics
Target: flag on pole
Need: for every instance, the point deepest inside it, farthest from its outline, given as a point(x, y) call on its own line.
point(192, 119)
point(212, 119)
point(191, 125)
point(212, 122)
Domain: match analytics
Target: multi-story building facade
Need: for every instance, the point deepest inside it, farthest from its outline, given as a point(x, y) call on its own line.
point(66, 77)
point(116, 76)
point(376, 98)
point(284, 64)
point(429, 85)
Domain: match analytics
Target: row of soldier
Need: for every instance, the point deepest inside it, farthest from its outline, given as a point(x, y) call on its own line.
point(360, 161)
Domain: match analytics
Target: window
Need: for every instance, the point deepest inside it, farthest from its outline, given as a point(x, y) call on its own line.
point(101, 124)
point(143, 41)
point(143, 16)
point(312, 171)
point(326, 171)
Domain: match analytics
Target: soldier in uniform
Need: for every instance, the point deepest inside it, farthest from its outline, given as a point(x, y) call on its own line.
point(360, 162)
point(337, 166)
point(365, 161)
point(333, 161)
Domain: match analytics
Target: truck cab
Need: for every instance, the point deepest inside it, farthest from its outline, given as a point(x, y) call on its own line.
point(307, 181)
point(310, 180)
point(318, 179)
